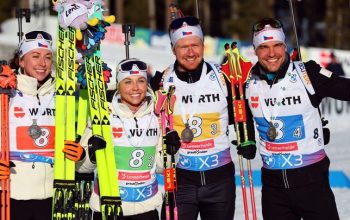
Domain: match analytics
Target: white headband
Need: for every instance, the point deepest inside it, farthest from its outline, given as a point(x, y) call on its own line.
point(28, 45)
point(268, 34)
point(185, 31)
point(134, 72)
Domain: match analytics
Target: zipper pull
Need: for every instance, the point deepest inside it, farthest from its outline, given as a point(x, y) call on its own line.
point(137, 126)
point(37, 96)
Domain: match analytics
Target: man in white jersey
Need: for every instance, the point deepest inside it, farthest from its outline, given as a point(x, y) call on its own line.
point(283, 98)
point(202, 113)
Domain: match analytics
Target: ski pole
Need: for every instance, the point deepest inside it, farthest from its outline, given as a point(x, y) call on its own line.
point(5, 87)
point(250, 178)
point(197, 9)
point(294, 27)
point(171, 101)
point(126, 29)
point(323, 119)
point(237, 77)
point(168, 182)
point(241, 109)
point(5, 183)
point(20, 12)
point(169, 185)
point(240, 158)
point(174, 14)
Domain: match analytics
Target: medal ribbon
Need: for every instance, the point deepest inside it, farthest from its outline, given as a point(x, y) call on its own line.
point(43, 110)
point(271, 115)
point(195, 98)
point(35, 120)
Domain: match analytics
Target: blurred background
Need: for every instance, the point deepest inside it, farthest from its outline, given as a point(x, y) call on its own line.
point(320, 23)
point(323, 27)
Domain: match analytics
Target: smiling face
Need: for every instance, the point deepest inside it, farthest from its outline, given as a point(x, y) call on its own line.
point(133, 90)
point(189, 53)
point(37, 64)
point(271, 55)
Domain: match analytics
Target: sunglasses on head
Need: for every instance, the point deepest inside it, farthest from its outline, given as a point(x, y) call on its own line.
point(36, 35)
point(128, 65)
point(189, 20)
point(260, 25)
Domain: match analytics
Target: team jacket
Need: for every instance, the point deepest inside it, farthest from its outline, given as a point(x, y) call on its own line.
point(32, 177)
point(286, 105)
point(204, 97)
point(297, 155)
point(138, 148)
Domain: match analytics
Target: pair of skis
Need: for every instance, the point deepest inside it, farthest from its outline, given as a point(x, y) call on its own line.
point(237, 69)
point(99, 115)
point(64, 169)
point(65, 203)
point(5, 88)
point(67, 199)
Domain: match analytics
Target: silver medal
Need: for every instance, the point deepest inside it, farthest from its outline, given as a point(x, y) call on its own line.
point(34, 131)
point(186, 134)
point(271, 132)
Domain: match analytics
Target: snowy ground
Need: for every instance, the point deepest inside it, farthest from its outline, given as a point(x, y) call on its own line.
point(339, 153)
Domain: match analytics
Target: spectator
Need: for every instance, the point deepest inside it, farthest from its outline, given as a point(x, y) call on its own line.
point(334, 66)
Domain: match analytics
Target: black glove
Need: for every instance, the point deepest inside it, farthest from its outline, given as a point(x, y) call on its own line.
point(95, 142)
point(326, 131)
point(172, 141)
point(5, 169)
point(247, 149)
point(326, 135)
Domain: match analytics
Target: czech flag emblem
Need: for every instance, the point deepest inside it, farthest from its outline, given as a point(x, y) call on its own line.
point(42, 45)
point(268, 38)
point(185, 33)
point(132, 72)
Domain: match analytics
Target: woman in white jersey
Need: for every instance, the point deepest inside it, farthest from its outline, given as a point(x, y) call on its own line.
point(31, 128)
point(137, 144)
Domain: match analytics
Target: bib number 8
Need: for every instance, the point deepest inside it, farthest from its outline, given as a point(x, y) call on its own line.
point(195, 125)
point(137, 158)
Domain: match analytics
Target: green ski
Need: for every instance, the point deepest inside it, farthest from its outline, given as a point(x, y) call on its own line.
point(106, 165)
point(64, 169)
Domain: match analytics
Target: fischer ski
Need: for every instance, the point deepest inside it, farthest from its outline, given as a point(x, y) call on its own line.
point(106, 164)
point(64, 169)
point(99, 114)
